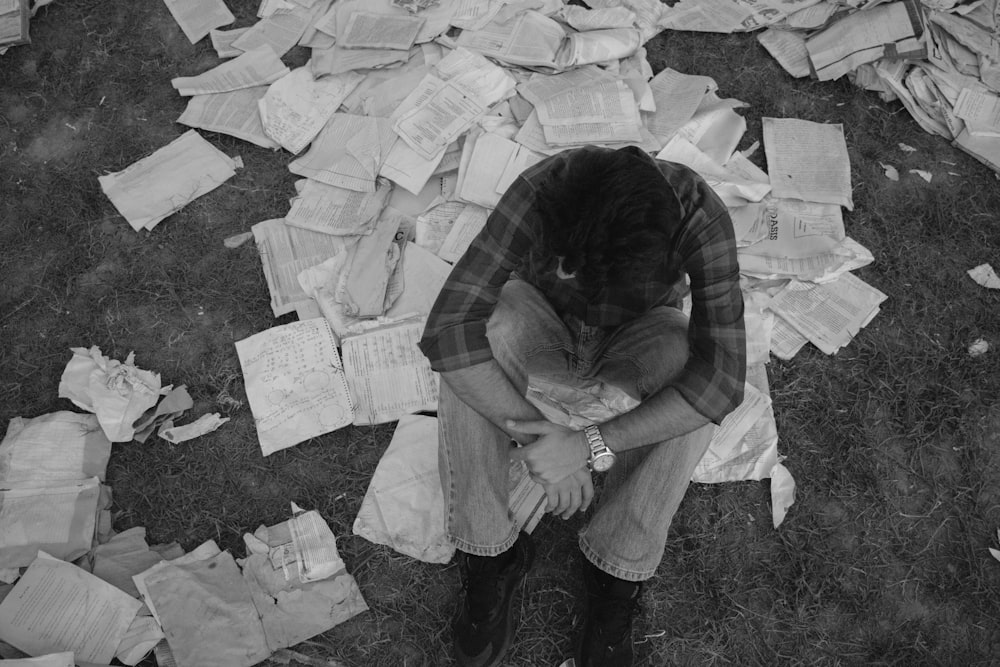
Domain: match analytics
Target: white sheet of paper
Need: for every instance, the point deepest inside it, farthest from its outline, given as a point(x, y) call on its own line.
point(295, 383)
point(348, 152)
point(204, 424)
point(198, 17)
point(598, 46)
point(467, 225)
point(64, 659)
point(58, 606)
point(222, 41)
point(979, 108)
point(788, 48)
point(982, 274)
point(677, 97)
point(256, 67)
point(529, 39)
point(732, 188)
point(604, 102)
point(728, 458)
point(369, 30)
point(278, 32)
point(332, 210)
point(203, 551)
point(59, 446)
point(163, 183)
point(234, 113)
point(407, 168)
point(58, 517)
point(830, 314)
point(388, 374)
point(285, 251)
point(297, 106)
point(808, 161)
point(786, 341)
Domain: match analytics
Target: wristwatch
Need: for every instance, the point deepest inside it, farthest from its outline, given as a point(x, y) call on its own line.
point(601, 458)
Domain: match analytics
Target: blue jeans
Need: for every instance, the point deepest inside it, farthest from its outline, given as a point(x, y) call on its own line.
point(626, 534)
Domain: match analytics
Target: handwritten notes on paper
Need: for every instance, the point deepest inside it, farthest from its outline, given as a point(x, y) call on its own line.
point(295, 383)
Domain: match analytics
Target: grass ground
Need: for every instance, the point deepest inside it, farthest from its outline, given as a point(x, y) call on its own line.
point(894, 442)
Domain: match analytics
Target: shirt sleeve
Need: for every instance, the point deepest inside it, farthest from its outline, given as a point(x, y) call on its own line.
point(713, 379)
point(455, 334)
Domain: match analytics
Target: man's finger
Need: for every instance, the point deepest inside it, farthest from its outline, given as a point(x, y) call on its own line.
point(574, 502)
point(536, 427)
point(587, 493)
point(552, 499)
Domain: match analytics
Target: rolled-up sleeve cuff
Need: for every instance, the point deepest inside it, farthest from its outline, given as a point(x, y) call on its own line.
point(713, 393)
point(456, 347)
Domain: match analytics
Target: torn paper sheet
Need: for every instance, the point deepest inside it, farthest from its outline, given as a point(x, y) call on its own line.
point(58, 517)
point(788, 47)
point(388, 375)
point(808, 161)
point(348, 152)
point(332, 210)
point(731, 456)
point(295, 383)
point(782, 493)
point(117, 392)
point(597, 46)
point(60, 446)
point(297, 106)
point(303, 548)
point(199, 17)
point(404, 505)
point(203, 551)
point(166, 181)
point(831, 314)
point(172, 406)
point(222, 42)
point(677, 97)
point(199, 427)
point(207, 613)
point(122, 557)
point(285, 251)
point(368, 30)
point(982, 274)
point(258, 67)
point(234, 113)
point(58, 606)
point(734, 189)
point(529, 39)
point(141, 637)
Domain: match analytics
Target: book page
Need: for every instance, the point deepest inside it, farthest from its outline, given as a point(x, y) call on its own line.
point(295, 383)
point(677, 97)
point(59, 606)
point(388, 374)
point(285, 251)
point(160, 184)
point(379, 31)
point(198, 17)
point(279, 32)
point(297, 106)
point(58, 518)
point(234, 113)
point(332, 210)
point(808, 161)
point(830, 314)
point(467, 226)
point(609, 101)
point(257, 67)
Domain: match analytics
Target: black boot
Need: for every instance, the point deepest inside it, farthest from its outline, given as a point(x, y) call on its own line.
point(487, 617)
point(606, 636)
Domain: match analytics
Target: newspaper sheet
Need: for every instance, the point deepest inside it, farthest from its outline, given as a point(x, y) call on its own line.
point(830, 314)
point(368, 30)
point(467, 226)
point(348, 152)
point(59, 606)
point(808, 161)
point(338, 211)
point(234, 113)
point(163, 183)
point(388, 375)
point(257, 67)
point(887, 30)
point(788, 48)
point(199, 17)
point(295, 383)
point(285, 251)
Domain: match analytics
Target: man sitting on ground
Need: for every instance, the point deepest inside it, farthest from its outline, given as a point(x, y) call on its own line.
point(579, 273)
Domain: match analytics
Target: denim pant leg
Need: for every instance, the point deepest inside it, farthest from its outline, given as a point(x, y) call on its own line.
point(627, 534)
point(474, 454)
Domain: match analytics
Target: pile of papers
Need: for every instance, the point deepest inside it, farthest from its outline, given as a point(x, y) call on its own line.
point(939, 58)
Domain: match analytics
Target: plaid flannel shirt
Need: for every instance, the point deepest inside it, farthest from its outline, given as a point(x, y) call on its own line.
point(704, 249)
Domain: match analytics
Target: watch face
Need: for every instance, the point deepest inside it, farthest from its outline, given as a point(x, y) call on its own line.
point(603, 462)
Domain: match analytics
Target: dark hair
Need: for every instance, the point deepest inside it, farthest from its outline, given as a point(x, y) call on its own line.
point(610, 215)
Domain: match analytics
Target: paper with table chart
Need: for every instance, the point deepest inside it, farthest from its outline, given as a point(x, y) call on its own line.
point(388, 375)
point(161, 184)
point(808, 161)
point(830, 314)
point(257, 67)
point(295, 383)
point(234, 113)
point(59, 606)
point(199, 17)
point(297, 106)
point(284, 252)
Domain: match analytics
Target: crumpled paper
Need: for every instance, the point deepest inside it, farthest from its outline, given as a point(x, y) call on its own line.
point(117, 392)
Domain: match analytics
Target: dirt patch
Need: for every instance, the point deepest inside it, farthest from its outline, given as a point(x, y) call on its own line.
point(62, 137)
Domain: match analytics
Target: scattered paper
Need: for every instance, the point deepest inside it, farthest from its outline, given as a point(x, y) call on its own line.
point(57, 517)
point(808, 161)
point(166, 181)
point(58, 606)
point(64, 659)
point(295, 383)
point(254, 68)
point(985, 276)
point(978, 347)
point(890, 172)
point(199, 17)
point(297, 106)
point(926, 175)
point(234, 113)
point(367, 30)
point(199, 427)
point(60, 446)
